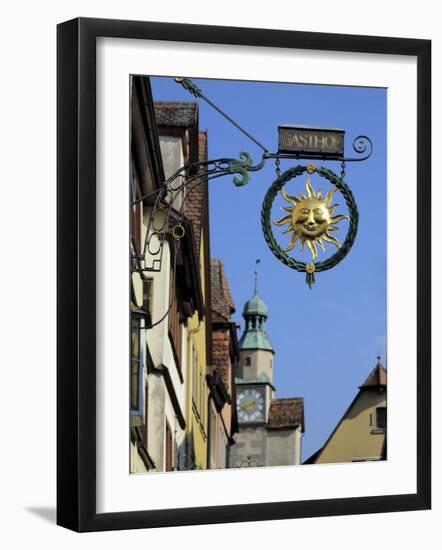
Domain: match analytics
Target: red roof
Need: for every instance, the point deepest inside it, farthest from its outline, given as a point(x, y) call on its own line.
point(222, 301)
point(183, 114)
point(221, 354)
point(376, 378)
point(286, 413)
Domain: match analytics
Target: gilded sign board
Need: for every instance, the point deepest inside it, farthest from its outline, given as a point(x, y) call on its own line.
point(323, 142)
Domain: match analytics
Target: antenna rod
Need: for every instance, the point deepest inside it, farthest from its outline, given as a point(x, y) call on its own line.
point(256, 275)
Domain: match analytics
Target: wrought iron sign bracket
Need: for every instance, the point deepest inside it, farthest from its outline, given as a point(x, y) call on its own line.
point(166, 219)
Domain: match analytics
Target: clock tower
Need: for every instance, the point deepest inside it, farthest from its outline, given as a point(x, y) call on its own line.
point(255, 372)
point(261, 440)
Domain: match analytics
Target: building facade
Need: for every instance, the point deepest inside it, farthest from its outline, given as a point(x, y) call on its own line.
point(223, 423)
point(147, 176)
point(270, 429)
point(199, 345)
point(361, 433)
point(166, 284)
point(182, 413)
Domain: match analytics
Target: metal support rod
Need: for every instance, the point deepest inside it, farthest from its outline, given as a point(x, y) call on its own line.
point(194, 90)
point(265, 149)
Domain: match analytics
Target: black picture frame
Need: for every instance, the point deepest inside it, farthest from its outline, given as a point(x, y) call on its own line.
point(76, 272)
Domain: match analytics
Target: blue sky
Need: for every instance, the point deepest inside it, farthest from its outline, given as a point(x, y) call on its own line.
point(326, 339)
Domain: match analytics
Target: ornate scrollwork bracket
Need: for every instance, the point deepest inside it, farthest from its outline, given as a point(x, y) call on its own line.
point(167, 211)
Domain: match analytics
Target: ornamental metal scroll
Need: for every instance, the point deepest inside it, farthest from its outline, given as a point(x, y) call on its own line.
point(166, 214)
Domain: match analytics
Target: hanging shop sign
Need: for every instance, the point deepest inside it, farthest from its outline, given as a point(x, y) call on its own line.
point(310, 220)
point(312, 217)
point(311, 140)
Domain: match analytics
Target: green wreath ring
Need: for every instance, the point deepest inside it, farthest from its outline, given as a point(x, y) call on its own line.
point(270, 196)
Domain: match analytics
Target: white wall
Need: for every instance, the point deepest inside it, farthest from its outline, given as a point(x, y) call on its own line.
point(27, 469)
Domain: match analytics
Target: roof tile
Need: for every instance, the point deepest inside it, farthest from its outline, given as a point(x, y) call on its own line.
point(376, 378)
point(222, 301)
point(286, 413)
point(183, 114)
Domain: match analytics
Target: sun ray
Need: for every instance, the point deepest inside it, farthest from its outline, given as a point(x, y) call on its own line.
point(331, 239)
point(289, 198)
point(338, 218)
point(329, 196)
point(292, 242)
point(312, 247)
point(321, 243)
point(310, 191)
point(282, 221)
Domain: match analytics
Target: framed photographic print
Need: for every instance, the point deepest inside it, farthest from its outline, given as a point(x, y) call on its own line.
point(243, 268)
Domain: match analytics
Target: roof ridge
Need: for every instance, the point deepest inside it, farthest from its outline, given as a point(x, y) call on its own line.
point(285, 399)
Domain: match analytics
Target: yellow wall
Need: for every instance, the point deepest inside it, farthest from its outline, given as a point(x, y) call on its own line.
point(196, 401)
point(353, 437)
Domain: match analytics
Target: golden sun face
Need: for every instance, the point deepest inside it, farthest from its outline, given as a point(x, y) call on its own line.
point(310, 219)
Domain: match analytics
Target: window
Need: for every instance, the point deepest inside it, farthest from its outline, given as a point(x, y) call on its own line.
point(143, 429)
point(212, 436)
point(169, 449)
point(248, 361)
point(137, 368)
point(194, 363)
point(222, 442)
point(174, 320)
point(147, 295)
point(136, 228)
point(381, 418)
point(200, 400)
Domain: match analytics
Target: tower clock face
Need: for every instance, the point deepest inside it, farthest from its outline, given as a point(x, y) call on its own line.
point(250, 404)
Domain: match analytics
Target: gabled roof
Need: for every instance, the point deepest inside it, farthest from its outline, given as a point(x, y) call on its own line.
point(286, 413)
point(377, 377)
point(224, 340)
point(183, 114)
point(222, 301)
point(221, 354)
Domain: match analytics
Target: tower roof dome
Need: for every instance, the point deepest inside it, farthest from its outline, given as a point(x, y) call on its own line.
point(255, 313)
point(255, 306)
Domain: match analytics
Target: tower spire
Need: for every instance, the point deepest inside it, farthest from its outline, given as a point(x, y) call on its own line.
point(255, 314)
point(256, 275)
